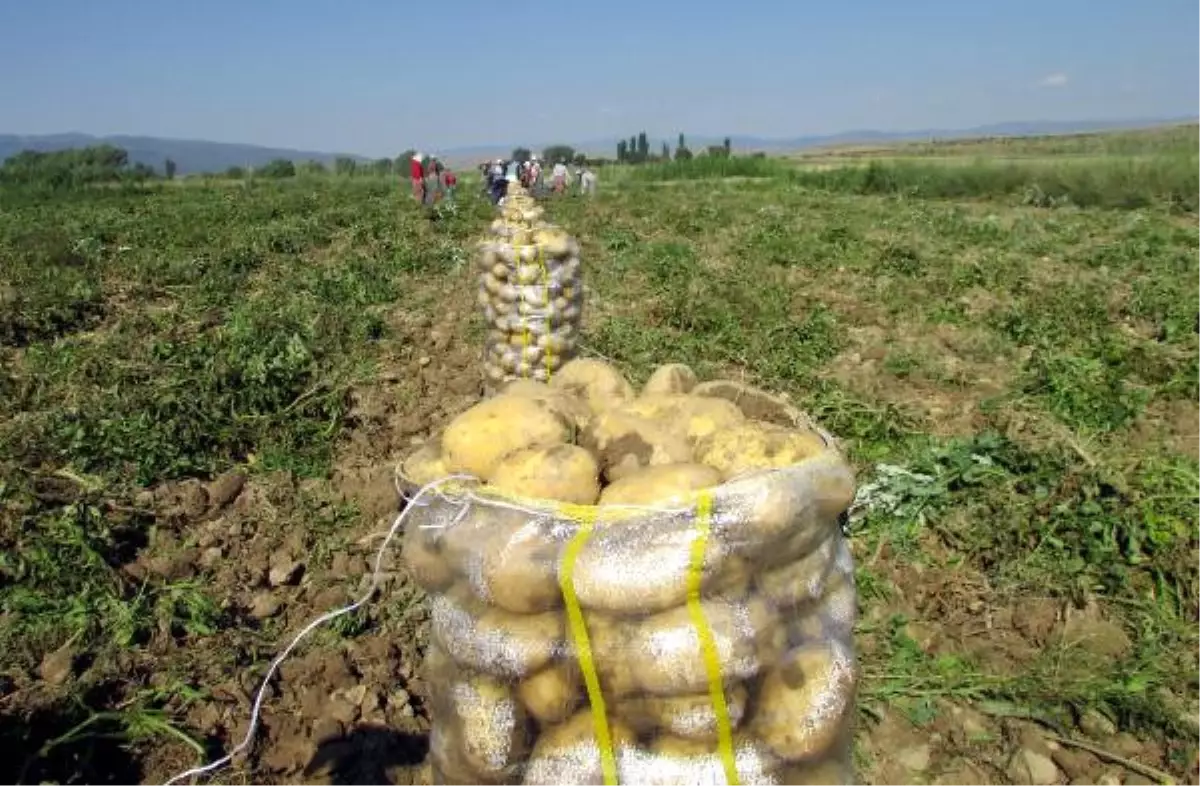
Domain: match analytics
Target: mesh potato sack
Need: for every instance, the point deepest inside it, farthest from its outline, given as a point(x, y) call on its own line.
point(692, 625)
point(531, 293)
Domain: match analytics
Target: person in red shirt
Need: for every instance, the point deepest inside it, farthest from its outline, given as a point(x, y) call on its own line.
point(449, 181)
point(417, 173)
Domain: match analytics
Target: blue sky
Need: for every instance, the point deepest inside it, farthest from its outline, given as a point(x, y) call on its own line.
point(376, 77)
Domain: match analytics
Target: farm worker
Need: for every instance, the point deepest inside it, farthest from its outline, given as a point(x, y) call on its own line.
point(433, 188)
point(498, 183)
point(559, 176)
point(535, 176)
point(513, 173)
point(587, 181)
point(416, 171)
point(450, 180)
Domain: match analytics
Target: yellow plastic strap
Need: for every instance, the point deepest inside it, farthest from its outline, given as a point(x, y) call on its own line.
point(583, 646)
point(708, 646)
point(541, 257)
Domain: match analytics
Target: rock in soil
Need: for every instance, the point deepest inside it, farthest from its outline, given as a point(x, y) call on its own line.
point(225, 489)
point(1077, 763)
point(1094, 724)
point(264, 605)
point(1028, 766)
point(284, 570)
point(915, 759)
point(57, 667)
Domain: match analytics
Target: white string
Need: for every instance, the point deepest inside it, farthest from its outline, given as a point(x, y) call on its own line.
point(309, 628)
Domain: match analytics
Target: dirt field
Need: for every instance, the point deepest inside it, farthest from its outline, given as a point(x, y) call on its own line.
point(211, 385)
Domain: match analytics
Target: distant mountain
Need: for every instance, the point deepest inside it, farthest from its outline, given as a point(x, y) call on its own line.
point(201, 156)
point(189, 155)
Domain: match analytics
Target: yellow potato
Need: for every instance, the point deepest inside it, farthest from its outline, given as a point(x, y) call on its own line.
point(446, 754)
point(660, 484)
point(568, 753)
point(692, 417)
point(674, 760)
point(423, 554)
point(839, 604)
point(670, 378)
point(634, 568)
point(803, 581)
point(595, 381)
point(609, 639)
point(665, 654)
point(805, 705)
point(492, 641)
point(425, 465)
point(691, 716)
point(495, 738)
point(755, 445)
point(553, 693)
point(571, 408)
point(507, 557)
point(563, 473)
point(626, 443)
point(479, 438)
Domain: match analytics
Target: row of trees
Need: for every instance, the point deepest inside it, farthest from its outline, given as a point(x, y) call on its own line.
point(70, 168)
point(636, 150)
point(109, 164)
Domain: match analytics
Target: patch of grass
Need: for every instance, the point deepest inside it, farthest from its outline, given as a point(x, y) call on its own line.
point(1127, 184)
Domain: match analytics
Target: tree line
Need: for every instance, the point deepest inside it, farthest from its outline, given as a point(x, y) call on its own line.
point(95, 164)
point(72, 168)
point(636, 150)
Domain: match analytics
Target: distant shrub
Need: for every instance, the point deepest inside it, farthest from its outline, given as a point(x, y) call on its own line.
point(710, 167)
point(277, 168)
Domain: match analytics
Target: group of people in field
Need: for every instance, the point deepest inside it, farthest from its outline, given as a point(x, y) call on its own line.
point(531, 175)
point(432, 181)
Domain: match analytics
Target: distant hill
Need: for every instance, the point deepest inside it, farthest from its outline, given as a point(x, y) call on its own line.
point(189, 155)
point(201, 156)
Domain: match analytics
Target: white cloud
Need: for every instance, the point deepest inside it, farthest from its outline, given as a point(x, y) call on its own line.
point(1057, 79)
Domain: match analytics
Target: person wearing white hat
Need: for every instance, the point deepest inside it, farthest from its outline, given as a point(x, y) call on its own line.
point(417, 173)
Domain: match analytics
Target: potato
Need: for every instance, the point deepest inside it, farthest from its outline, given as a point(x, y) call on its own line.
point(660, 484)
point(423, 554)
point(495, 735)
point(755, 445)
point(495, 642)
point(626, 443)
point(691, 717)
point(609, 638)
point(447, 756)
point(801, 582)
point(425, 465)
point(508, 557)
point(839, 605)
point(568, 753)
point(553, 693)
point(639, 568)
point(692, 417)
point(665, 654)
point(674, 760)
point(670, 378)
point(479, 438)
point(806, 703)
point(595, 381)
point(563, 473)
point(519, 570)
